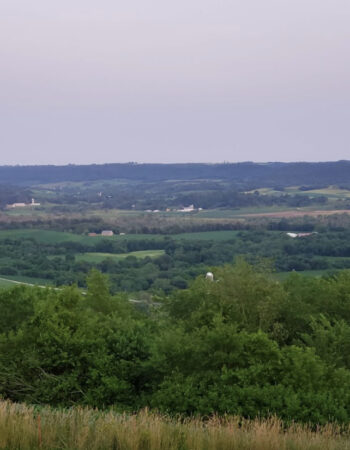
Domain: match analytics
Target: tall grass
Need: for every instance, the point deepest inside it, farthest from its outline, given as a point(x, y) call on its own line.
point(25, 427)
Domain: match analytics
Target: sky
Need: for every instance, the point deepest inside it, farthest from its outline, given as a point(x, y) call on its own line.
point(86, 81)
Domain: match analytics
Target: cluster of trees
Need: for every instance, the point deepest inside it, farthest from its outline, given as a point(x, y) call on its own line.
point(13, 194)
point(243, 344)
point(182, 261)
point(145, 223)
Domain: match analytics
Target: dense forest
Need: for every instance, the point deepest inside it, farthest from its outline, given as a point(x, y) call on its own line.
point(244, 174)
point(13, 194)
point(242, 344)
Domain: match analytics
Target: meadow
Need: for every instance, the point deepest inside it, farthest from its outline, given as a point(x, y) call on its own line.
point(26, 428)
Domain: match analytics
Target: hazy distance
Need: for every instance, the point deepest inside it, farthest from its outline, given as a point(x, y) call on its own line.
point(185, 81)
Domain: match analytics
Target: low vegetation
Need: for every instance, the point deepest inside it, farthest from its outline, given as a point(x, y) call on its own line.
point(27, 428)
point(242, 345)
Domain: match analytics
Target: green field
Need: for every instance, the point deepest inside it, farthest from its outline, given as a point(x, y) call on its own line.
point(237, 213)
point(4, 283)
point(7, 281)
point(332, 192)
point(44, 236)
point(96, 258)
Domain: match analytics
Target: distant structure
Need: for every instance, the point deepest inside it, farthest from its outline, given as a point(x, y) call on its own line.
point(22, 205)
point(209, 276)
point(299, 235)
point(187, 209)
point(17, 205)
point(107, 233)
point(92, 234)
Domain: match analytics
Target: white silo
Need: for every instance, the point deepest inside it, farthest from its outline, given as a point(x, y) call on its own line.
point(209, 276)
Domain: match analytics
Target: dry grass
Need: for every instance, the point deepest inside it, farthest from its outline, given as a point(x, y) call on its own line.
point(23, 427)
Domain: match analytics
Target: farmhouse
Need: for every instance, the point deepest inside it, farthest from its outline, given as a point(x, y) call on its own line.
point(22, 205)
point(107, 233)
point(187, 209)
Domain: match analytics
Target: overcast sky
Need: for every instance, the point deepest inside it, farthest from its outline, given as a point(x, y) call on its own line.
point(87, 81)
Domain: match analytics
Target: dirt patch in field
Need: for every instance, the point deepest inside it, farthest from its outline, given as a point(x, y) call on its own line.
point(298, 213)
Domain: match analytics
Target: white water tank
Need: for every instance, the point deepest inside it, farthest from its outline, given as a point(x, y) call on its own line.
point(209, 276)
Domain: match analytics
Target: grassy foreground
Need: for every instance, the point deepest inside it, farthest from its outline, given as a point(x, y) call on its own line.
point(24, 427)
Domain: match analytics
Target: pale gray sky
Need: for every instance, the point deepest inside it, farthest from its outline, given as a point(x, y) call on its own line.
point(85, 81)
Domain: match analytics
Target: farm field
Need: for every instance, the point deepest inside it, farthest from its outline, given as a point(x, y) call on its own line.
point(236, 213)
point(273, 211)
point(330, 192)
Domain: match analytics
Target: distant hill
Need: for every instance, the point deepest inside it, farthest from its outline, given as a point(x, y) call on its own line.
point(248, 173)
